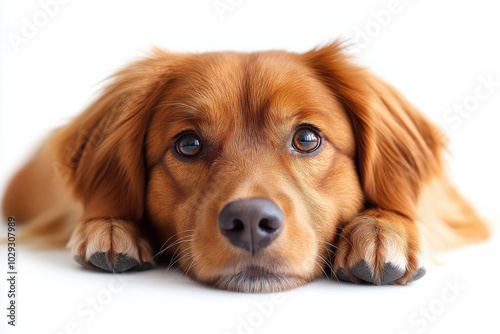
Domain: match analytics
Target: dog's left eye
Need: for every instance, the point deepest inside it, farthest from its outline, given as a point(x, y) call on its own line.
point(188, 145)
point(306, 140)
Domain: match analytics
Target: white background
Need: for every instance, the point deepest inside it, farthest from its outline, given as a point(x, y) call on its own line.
point(435, 52)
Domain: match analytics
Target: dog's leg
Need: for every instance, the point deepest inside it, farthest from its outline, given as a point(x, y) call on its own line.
point(379, 247)
point(110, 244)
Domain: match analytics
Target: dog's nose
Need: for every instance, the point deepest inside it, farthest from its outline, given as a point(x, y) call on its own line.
point(251, 224)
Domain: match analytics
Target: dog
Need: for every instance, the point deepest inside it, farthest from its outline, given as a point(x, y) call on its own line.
point(254, 172)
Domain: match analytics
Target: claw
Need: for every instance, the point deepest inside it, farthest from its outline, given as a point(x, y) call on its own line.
point(144, 266)
point(98, 259)
point(342, 275)
point(124, 263)
point(419, 274)
point(391, 273)
point(362, 270)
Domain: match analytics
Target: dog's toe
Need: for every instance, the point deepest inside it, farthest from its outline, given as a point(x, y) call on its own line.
point(144, 266)
point(78, 260)
point(391, 273)
point(99, 260)
point(342, 275)
point(363, 271)
point(124, 263)
point(419, 274)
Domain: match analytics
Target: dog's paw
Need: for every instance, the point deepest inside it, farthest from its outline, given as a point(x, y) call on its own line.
point(379, 247)
point(110, 244)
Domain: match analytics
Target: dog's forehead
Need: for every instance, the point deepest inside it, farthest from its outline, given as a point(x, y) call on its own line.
point(227, 92)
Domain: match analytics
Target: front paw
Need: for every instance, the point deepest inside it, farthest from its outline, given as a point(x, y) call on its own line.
point(110, 244)
point(379, 247)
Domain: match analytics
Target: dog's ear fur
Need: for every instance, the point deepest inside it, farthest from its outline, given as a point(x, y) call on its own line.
point(101, 152)
point(398, 149)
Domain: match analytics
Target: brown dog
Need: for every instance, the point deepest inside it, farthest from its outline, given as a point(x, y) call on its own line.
point(253, 171)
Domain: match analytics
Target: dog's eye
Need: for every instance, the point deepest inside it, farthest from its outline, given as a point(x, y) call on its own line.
point(306, 140)
point(188, 145)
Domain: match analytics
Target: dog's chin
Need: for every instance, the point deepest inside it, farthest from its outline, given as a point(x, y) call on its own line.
point(255, 279)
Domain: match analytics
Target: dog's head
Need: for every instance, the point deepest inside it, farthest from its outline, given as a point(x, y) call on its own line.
point(245, 165)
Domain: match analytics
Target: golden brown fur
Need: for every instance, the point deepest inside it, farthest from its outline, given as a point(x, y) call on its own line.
point(376, 188)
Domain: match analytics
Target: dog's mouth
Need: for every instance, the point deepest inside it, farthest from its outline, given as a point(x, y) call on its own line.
point(257, 279)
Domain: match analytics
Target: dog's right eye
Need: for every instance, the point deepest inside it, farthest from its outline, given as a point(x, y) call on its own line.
point(188, 145)
point(306, 140)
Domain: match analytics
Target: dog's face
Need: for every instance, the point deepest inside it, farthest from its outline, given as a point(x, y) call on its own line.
point(245, 165)
point(253, 169)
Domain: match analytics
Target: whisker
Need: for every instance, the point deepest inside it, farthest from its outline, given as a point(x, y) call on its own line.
point(175, 259)
point(328, 261)
point(325, 263)
point(174, 235)
point(178, 241)
point(318, 264)
point(193, 260)
point(330, 244)
point(340, 235)
point(332, 256)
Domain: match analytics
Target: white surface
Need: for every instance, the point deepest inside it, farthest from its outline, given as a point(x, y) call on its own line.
point(435, 53)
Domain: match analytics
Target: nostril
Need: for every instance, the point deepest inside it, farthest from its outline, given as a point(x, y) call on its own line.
point(238, 225)
point(268, 225)
point(234, 225)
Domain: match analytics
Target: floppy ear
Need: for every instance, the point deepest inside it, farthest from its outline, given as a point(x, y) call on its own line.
point(101, 151)
point(398, 149)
